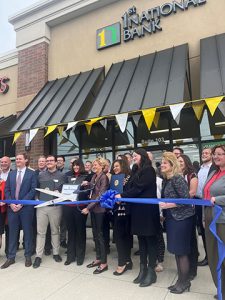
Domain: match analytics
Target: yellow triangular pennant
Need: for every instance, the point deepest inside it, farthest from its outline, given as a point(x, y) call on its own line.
point(213, 103)
point(149, 115)
point(50, 129)
point(90, 123)
point(60, 131)
point(156, 119)
point(198, 109)
point(16, 136)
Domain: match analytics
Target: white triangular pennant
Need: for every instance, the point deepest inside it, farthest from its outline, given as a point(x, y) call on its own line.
point(71, 124)
point(221, 107)
point(122, 121)
point(136, 119)
point(104, 123)
point(204, 126)
point(176, 110)
point(32, 134)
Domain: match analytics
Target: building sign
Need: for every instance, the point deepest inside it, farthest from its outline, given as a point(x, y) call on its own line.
point(3, 85)
point(139, 25)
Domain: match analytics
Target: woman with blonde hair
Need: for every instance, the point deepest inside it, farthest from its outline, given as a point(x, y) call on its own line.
point(179, 220)
point(100, 182)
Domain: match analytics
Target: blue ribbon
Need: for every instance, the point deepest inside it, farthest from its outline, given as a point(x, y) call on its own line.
point(108, 200)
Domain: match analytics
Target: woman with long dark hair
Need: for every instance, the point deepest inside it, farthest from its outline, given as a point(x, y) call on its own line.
point(75, 220)
point(121, 212)
point(145, 221)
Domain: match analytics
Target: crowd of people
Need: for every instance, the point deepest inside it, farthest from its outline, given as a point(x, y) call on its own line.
point(47, 228)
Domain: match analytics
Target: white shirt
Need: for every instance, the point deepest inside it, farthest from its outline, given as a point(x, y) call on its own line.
point(202, 176)
point(4, 175)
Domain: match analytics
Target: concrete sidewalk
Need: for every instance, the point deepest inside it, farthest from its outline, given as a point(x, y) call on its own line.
point(54, 281)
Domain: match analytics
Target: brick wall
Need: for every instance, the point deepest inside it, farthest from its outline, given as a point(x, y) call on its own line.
point(32, 69)
point(32, 75)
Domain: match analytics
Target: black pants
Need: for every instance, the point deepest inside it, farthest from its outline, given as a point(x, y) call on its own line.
point(193, 256)
point(123, 239)
point(198, 210)
point(97, 221)
point(148, 250)
point(161, 245)
point(76, 226)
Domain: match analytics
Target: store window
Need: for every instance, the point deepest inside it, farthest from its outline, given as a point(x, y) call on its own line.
point(7, 148)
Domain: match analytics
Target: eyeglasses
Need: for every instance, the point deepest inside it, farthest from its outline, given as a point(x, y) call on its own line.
point(218, 154)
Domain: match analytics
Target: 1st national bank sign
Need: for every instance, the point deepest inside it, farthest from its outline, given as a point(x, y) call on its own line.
point(138, 25)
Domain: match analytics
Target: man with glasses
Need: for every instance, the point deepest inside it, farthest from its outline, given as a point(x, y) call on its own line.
point(51, 179)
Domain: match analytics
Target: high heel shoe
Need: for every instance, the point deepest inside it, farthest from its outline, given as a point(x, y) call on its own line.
point(129, 265)
point(181, 289)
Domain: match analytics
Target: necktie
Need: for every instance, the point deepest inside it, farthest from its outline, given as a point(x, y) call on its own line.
point(18, 184)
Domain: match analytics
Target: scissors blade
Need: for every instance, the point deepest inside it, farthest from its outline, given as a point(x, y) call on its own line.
point(51, 193)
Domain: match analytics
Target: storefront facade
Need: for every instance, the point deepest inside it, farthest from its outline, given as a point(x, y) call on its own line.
point(60, 38)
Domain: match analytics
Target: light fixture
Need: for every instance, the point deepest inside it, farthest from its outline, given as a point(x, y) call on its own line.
point(220, 124)
point(165, 130)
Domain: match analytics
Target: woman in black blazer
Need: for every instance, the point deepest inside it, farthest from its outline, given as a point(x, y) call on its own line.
point(145, 221)
point(75, 220)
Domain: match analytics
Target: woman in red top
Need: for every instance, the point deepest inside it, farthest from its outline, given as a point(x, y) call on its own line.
point(214, 190)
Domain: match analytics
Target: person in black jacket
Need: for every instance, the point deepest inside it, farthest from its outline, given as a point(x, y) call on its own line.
point(145, 221)
point(75, 220)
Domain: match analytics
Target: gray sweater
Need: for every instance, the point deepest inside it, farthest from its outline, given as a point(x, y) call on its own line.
point(217, 190)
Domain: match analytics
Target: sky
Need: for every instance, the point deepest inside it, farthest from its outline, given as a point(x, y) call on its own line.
point(8, 36)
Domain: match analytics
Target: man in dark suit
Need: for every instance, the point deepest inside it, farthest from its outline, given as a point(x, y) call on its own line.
point(20, 185)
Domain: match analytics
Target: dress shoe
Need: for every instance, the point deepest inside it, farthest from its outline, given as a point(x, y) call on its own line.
point(99, 270)
point(181, 289)
point(37, 262)
point(80, 262)
point(28, 262)
point(63, 244)
point(48, 252)
point(93, 264)
point(57, 258)
point(129, 265)
point(141, 275)
point(8, 263)
point(116, 273)
point(137, 252)
point(149, 278)
point(68, 262)
point(203, 263)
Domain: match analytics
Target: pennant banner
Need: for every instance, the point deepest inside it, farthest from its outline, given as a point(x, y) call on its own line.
point(50, 129)
point(32, 134)
point(16, 136)
point(176, 110)
point(221, 107)
point(121, 120)
point(136, 119)
point(71, 124)
point(104, 123)
point(60, 131)
point(90, 123)
point(149, 115)
point(198, 109)
point(156, 119)
point(213, 103)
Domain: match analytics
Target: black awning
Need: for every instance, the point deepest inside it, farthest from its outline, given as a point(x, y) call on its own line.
point(6, 124)
point(212, 66)
point(152, 80)
point(61, 101)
